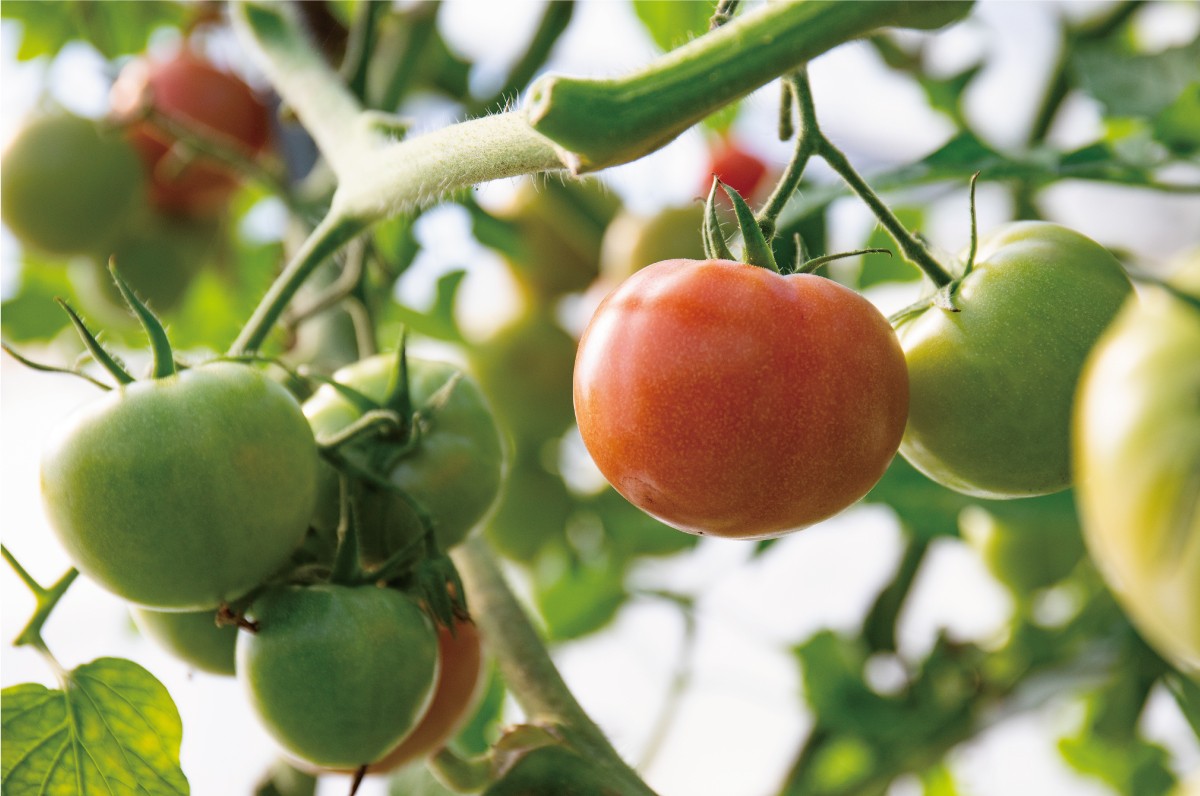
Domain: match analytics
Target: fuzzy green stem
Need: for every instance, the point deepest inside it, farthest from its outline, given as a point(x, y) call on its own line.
point(798, 92)
point(329, 235)
point(528, 670)
point(45, 601)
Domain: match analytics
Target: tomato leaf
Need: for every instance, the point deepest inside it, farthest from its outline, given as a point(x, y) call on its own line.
point(112, 28)
point(1135, 84)
point(673, 24)
point(438, 321)
point(878, 268)
point(113, 729)
point(283, 779)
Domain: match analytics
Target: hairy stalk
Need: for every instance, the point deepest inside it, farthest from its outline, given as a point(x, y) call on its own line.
point(528, 670)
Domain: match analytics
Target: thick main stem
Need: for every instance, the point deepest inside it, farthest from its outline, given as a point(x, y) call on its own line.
point(527, 668)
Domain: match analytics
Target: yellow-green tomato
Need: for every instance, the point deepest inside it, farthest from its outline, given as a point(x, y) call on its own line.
point(633, 240)
point(191, 636)
point(454, 473)
point(186, 491)
point(338, 675)
point(66, 186)
point(1137, 464)
point(992, 385)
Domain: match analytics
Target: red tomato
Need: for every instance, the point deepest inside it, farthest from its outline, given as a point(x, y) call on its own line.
point(727, 399)
point(735, 167)
point(454, 694)
point(192, 91)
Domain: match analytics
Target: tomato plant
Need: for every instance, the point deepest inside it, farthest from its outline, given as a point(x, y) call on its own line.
point(182, 492)
point(68, 186)
point(339, 675)
point(993, 382)
point(727, 399)
point(216, 104)
point(1137, 461)
point(191, 636)
point(453, 472)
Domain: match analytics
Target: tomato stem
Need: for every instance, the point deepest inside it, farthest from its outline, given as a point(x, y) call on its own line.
point(45, 601)
point(527, 668)
point(461, 774)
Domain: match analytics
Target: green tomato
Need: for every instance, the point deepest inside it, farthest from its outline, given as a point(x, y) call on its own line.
point(992, 385)
point(1137, 463)
point(157, 256)
point(525, 368)
point(338, 675)
point(454, 473)
point(1027, 545)
point(191, 636)
point(186, 491)
point(68, 187)
point(633, 241)
point(560, 226)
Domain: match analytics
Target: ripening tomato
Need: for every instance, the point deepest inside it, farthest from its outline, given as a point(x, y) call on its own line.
point(741, 170)
point(728, 399)
point(1137, 462)
point(191, 636)
point(993, 384)
point(214, 103)
point(185, 491)
point(67, 186)
point(338, 675)
point(460, 675)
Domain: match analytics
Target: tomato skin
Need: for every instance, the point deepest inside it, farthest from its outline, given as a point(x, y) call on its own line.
point(192, 91)
point(191, 636)
point(1137, 462)
point(455, 473)
point(338, 675)
point(726, 399)
point(182, 492)
point(993, 384)
point(67, 187)
point(458, 685)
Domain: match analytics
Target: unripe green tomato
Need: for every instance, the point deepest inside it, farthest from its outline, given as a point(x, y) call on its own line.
point(157, 256)
point(191, 636)
point(1137, 462)
point(1028, 544)
point(992, 385)
point(634, 241)
point(533, 510)
point(454, 473)
point(186, 491)
point(338, 675)
point(67, 186)
point(561, 226)
point(525, 368)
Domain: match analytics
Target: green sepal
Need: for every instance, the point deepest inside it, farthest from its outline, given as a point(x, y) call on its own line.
point(346, 568)
point(812, 265)
point(715, 247)
point(756, 247)
point(399, 400)
point(107, 360)
point(160, 345)
point(943, 299)
point(29, 363)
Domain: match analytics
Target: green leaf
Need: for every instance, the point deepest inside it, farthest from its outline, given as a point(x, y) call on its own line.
point(1135, 84)
point(113, 28)
point(1178, 126)
point(416, 781)
point(438, 321)
point(483, 728)
point(927, 508)
point(579, 598)
point(672, 23)
point(878, 268)
point(30, 313)
point(631, 532)
point(112, 730)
